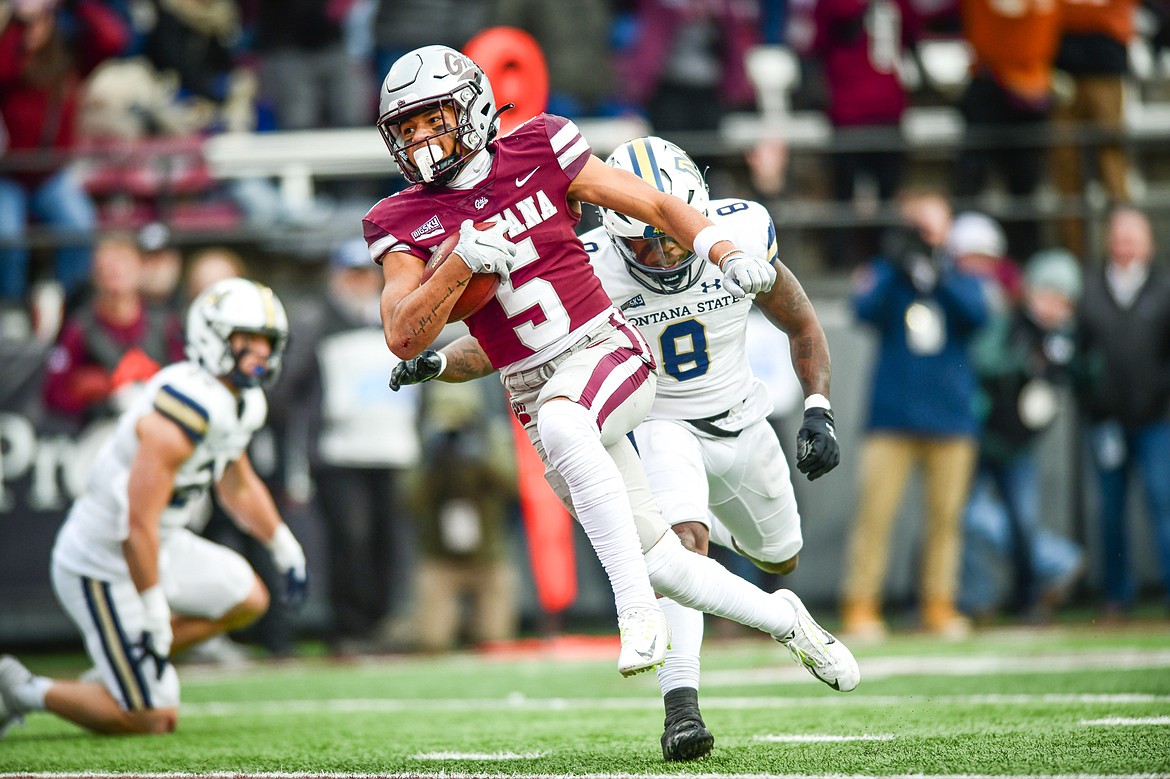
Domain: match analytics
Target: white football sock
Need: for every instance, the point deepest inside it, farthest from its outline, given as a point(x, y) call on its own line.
point(573, 446)
point(701, 583)
point(681, 668)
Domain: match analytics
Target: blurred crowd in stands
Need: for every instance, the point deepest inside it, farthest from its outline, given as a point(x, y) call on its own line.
point(104, 197)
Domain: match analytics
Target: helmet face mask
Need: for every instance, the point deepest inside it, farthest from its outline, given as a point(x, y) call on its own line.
point(656, 260)
point(236, 306)
point(436, 79)
point(659, 262)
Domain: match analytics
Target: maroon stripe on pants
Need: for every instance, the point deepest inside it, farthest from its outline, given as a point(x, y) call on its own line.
point(640, 347)
point(605, 367)
point(623, 392)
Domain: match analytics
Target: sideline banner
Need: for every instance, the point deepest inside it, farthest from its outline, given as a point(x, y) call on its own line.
point(43, 461)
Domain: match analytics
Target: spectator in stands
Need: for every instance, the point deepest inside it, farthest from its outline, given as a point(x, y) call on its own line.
point(1125, 317)
point(307, 76)
point(926, 312)
point(1022, 358)
point(861, 44)
point(401, 26)
point(208, 266)
point(461, 496)
point(1007, 105)
point(195, 40)
point(162, 268)
point(685, 65)
point(113, 341)
point(570, 33)
point(979, 247)
point(45, 53)
point(1094, 51)
point(361, 437)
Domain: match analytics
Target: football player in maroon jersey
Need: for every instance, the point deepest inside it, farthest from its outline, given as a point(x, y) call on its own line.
point(578, 376)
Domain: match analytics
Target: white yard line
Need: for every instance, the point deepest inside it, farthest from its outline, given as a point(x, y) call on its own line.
point(818, 738)
point(518, 703)
point(461, 775)
point(455, 774)
point(969, 665)
point(1118, 721)
point(478, 755)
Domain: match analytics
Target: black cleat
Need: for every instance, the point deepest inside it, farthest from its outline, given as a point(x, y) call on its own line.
point(685, 736)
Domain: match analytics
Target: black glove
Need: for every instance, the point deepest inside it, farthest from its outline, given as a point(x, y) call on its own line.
point(817, 451)
point(416, 370)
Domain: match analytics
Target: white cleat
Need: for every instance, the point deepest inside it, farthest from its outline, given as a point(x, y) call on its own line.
point(645, 635)
point(12, 675)
point(816, 649)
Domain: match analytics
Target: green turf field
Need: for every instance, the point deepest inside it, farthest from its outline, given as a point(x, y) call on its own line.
point(1074, 700)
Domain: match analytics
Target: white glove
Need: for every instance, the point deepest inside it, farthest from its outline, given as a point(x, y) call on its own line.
point(290, 559)
point(486, 251)
point(156, 622)
point(744, 275)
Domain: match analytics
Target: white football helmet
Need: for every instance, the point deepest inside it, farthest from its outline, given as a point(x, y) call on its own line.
point(653, 258)
point(435, 77)
point(235, 306)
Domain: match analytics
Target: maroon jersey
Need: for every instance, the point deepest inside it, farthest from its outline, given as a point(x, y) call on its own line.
point(553, 290)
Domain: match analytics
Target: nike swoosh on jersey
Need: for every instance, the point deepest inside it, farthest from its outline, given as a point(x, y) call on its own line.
point(522, 181)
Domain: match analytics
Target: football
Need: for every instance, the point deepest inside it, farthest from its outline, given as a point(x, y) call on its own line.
point(481, 287)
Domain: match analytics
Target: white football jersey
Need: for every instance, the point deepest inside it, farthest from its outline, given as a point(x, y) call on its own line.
point(698, 335)
point(221, 425)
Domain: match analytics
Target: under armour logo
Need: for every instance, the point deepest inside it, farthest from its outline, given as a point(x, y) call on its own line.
point(712, 286)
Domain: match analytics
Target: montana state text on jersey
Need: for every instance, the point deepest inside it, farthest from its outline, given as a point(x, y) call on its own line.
point(698, 335)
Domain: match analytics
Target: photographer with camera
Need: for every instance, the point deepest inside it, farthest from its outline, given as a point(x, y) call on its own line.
point(925, 311)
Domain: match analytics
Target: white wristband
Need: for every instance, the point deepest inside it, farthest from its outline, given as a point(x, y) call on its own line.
point(708, 237)
point(816, 400)
point(442, 365)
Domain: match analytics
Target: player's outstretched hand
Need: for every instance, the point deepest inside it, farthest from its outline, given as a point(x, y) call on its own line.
point(486, 251)
point(416, 370)
point(744, 274)
point(817, 450)
point(290, 560)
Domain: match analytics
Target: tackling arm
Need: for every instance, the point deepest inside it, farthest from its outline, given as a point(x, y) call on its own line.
point(624, 192)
